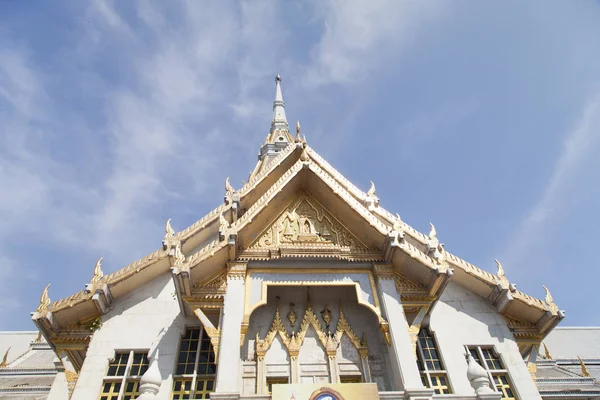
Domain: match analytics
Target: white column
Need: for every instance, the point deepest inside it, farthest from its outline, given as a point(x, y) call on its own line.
point(405, 373)
point(228, 367)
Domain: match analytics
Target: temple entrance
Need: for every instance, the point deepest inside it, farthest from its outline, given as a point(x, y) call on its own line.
point(317, 335)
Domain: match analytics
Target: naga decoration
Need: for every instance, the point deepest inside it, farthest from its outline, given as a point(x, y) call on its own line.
point(44, 301)
point(98, 274)
point(500, 272)
point(229, 190)
point(432, 232)
point(550, 301)
point(371, 192)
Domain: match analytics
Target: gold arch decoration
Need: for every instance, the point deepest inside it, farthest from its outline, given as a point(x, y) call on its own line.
point(293, 341)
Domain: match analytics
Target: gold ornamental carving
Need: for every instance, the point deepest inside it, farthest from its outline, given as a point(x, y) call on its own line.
point(384, 271)
point(306, 224)
point(236, 270)
point(44, 301)
point(210, 293)
point(550, 301)
point(293, 341)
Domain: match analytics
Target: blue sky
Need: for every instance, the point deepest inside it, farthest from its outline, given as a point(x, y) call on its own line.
point(481, 117)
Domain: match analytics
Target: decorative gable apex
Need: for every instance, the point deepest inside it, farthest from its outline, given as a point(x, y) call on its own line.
point(307, 229)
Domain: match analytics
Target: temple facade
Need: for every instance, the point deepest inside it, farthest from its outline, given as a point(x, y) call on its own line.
point(299, 285)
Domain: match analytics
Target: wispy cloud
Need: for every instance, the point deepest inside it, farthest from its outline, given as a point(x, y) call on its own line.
point(358, 34)
point(579, 144)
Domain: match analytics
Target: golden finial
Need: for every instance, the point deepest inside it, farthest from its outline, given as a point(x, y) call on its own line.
point(228, 188)
point(169, 232)
point(432, 232)
point(292, 316)
point(298, 136)
point(371, 191)
point(39, 337)
point(5, 359)
point(584, 371)
point(546, 352)
point(44, 300)
point(98, 274)
point(500, 272)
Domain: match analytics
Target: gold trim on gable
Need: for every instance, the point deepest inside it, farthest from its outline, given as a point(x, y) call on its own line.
point(307, 229)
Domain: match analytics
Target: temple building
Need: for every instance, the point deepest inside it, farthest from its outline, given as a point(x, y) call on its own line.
point(299, 285)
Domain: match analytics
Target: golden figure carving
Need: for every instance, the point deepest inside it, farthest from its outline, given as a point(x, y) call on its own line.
point(326, 315)
point(44, 301)
point(5, 359)
point(39, 337)
point(292, 317)
point(306, 224)
point(98, 274)
point(584, 371)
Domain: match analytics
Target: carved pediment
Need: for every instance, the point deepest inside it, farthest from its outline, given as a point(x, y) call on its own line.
point(307, 229)
point(209, 293)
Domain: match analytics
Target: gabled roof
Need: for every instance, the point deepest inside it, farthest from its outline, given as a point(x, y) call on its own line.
point(228, 232)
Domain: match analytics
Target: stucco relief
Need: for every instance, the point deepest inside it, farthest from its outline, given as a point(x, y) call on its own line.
point(306, 222)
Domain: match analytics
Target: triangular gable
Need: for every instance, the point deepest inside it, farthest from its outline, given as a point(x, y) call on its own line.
point(306, 228)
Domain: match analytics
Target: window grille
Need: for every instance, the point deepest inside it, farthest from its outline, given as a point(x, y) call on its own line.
point(122, 381)
point(196, 369)
point(433, 372)
point(486, 357)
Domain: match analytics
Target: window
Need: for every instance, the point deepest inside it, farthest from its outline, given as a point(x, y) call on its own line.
point(486, 357)
point(350, 379)
point(433, 373)
point(275, 381)
point(122, 380)
point(195, 372)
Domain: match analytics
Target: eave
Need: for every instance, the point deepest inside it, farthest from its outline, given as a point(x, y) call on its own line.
point(208, 246)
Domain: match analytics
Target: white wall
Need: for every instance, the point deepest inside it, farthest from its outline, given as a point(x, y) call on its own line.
point(60, 388)
point(463, 318)
point(147, 317)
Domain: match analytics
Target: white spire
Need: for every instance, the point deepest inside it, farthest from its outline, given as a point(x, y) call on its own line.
point(279, 118)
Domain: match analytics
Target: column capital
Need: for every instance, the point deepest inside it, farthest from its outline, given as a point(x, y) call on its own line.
point(383, 271)
point(236, 270)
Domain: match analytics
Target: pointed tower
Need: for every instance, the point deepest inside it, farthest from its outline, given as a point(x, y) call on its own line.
point(279, 136)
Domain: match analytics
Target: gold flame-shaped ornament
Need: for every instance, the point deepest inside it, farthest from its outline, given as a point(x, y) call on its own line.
point(44, 300)
point(292, 316)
